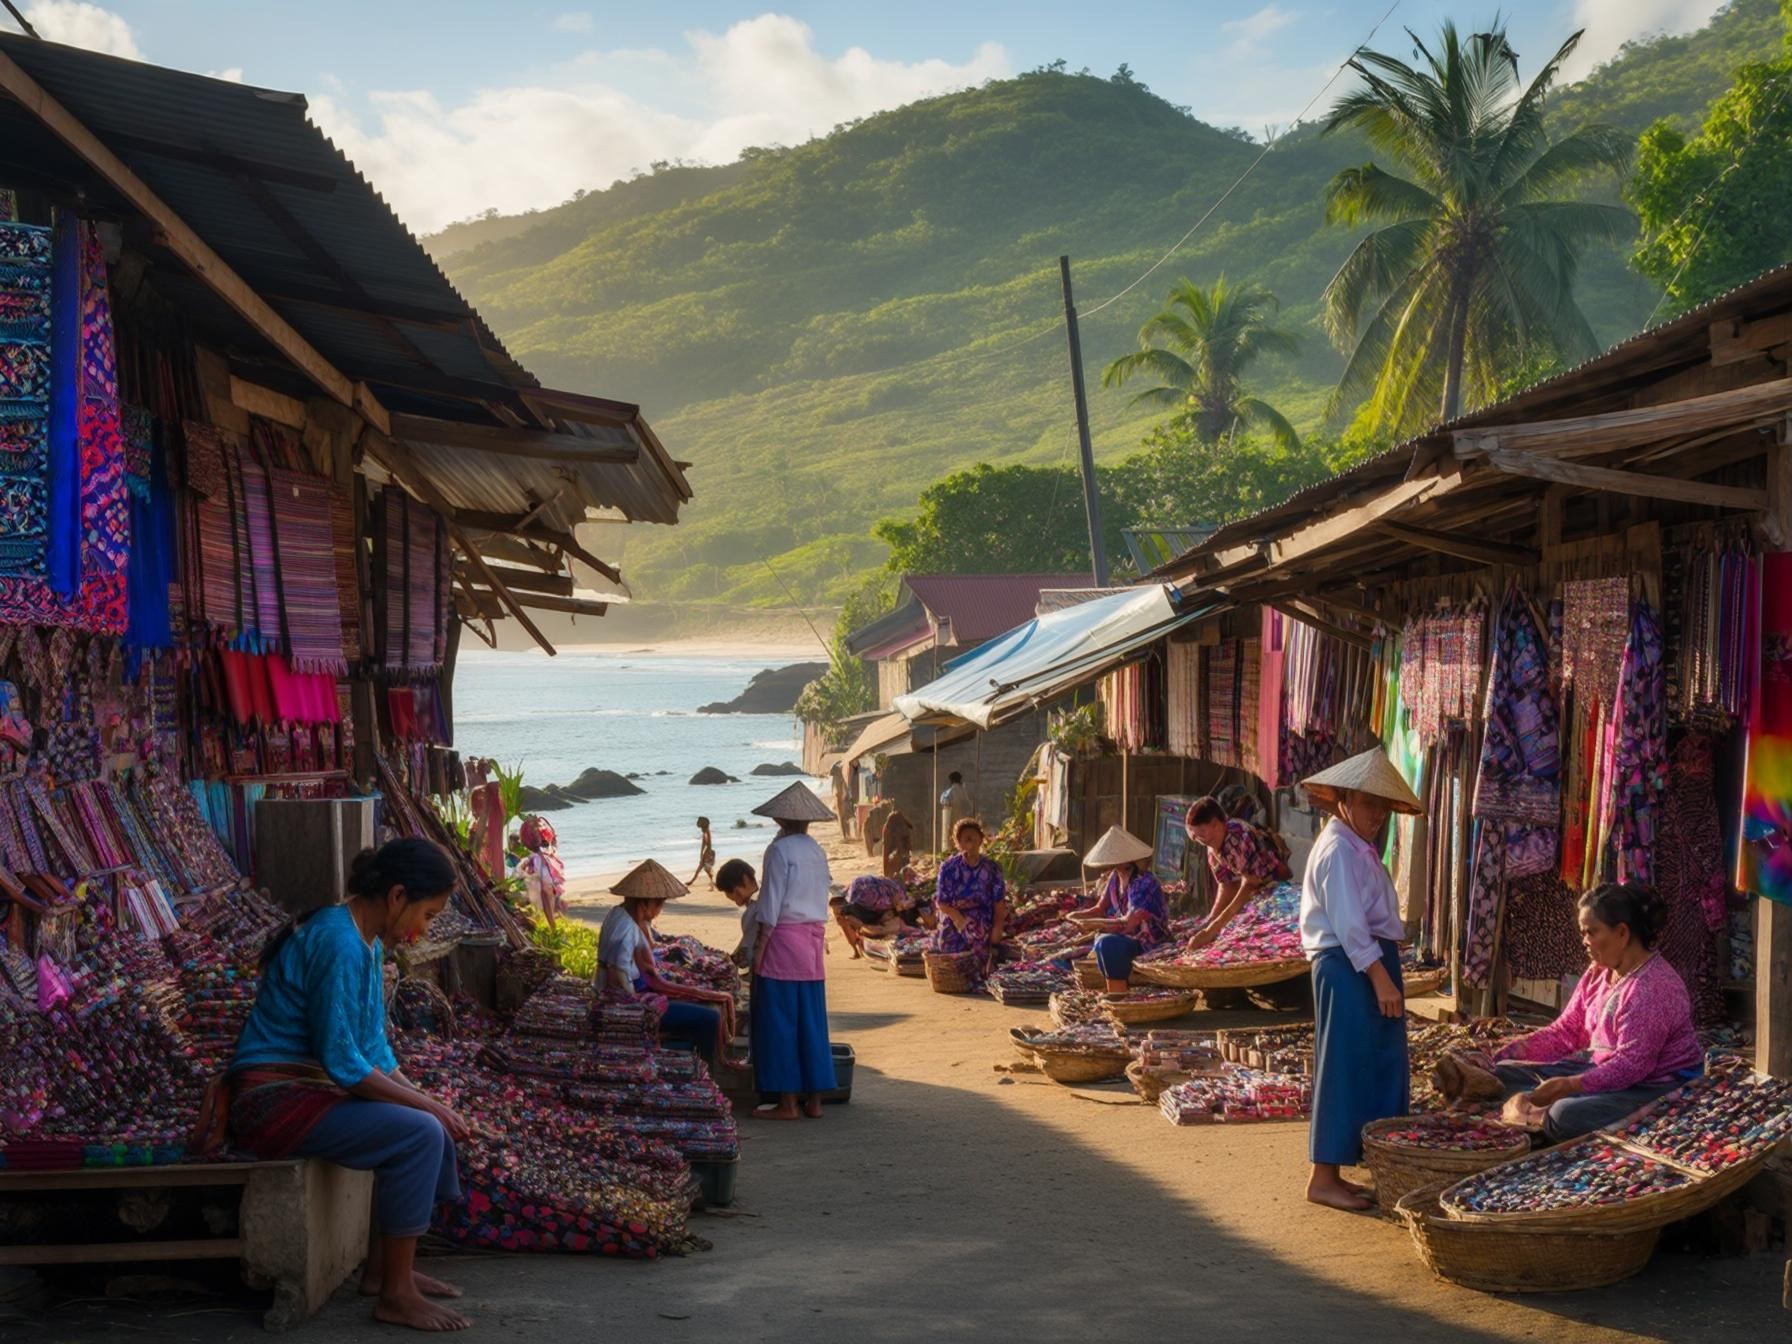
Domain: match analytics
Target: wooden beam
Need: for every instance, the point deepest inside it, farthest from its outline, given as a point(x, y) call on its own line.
point(1627, 482)
point(540, 507)
point(505, 523)
point(181, 240)
point(404, 468)
point(1328, 531)
point(1733, 342)
point(542, 444)
point(578, 406)
point(1634, 426)
point(577, 606)
point(268, 404)
point(527, 581)
point(1299, 611)
point(1463, 548)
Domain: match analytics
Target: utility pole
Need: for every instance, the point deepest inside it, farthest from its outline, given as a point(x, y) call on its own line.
point(1091, 494)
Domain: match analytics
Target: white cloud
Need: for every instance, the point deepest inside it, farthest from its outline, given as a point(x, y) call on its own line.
point(760, 82)
point(574, 23)
point(1253, 28)
point(1610, 24)
point(76, 24)
point(232, 75)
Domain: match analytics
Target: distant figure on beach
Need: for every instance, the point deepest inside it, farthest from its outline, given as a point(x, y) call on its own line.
point(736, 881)
point(898, 839)
point(542, 871)
point(956, 804)
point(706, 859)
point(841, 802)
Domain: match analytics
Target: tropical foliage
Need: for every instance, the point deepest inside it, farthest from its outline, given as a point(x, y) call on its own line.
point(1197, 349)
point(1477, 248)
point(1713, 205)
point(846, 688)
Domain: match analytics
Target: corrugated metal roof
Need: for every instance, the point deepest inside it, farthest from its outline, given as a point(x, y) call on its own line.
point(982, 606)
point(1562, 393)
point(249, 172)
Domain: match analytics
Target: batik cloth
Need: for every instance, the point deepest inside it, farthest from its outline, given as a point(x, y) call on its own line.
point(1245, 852)
point(974, 893)
point(1640, 753)
point(25, 285)
point(1143, 895)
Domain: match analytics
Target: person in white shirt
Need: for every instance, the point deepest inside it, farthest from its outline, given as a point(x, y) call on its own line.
point(956, 804)
point(792, 1057)
point(1350, 930)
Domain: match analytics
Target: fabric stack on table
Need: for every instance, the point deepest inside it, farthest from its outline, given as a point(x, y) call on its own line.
point(1027, 982)
point(1238, 1095)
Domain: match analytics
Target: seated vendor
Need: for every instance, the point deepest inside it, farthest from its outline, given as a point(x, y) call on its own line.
point(736, 881)
point(1244, 859)
point(1132, 915)
point(876, 906)
point(1626, 1036)
point(625, 964)
point(314, 1075)
point(970, 898)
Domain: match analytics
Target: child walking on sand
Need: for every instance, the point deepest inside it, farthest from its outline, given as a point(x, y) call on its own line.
point(706, 861)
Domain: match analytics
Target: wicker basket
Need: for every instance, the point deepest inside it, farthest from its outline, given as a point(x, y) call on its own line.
point(1511, 1260)
point(1415, 983)
point(1079, 1066)
point(1401, 1168)
point(1131, 1012)
point(1244, 976)
point(1638, 1215)
point(1088, 974)
point(1022, 1038)
point(950, 972)
point(1150, 1083)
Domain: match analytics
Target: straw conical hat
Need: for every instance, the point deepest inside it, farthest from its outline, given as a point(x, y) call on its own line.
point(1367, 772)
point(1115, 848)
point(648, 881)
point(797, 803)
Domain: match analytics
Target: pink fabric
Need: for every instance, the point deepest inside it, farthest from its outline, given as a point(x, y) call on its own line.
point(794, 952)
point(1269, 701)
point(1638, 1029)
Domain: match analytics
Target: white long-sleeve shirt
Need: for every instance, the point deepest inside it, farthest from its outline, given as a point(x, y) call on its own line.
point(793, 882)
point(1347, 899)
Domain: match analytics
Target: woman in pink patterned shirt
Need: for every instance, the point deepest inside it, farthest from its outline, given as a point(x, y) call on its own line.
point(1626, 1036)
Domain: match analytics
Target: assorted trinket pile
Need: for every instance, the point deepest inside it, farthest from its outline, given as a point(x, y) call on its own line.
point(1716, 1121)
point(1448, 1132)
point(1582, 1175)
point(1237, 1095)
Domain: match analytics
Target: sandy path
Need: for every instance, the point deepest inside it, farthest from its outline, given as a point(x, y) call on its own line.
point(950, 1200)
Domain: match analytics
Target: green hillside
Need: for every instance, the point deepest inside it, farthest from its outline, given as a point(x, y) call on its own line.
point(824, 330)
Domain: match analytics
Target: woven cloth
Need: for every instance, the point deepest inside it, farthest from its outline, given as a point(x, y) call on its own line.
point(420, 585)
point(408, 607)
point(205, 460)
point(348, 583)
point(25, 277)
point(309, 599)
point(263, 568)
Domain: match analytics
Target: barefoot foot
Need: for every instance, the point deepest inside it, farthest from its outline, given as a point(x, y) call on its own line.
point(812, 1108)
point(426, 1285)
point(775, 1113)
point(417, 1312)
point(1338, 1195)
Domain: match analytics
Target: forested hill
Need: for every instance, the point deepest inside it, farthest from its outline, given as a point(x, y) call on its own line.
point(823, 330)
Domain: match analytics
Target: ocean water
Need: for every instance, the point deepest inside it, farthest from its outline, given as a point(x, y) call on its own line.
point(634, 714)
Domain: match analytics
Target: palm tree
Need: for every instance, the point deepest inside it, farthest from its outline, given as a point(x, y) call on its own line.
point(1208, 338)
point(1474, 264)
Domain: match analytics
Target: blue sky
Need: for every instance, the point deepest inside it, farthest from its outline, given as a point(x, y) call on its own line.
point(453, 106)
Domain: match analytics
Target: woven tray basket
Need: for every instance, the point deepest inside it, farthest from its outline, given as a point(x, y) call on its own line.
point(1088, 974)
point(1244, 976)
point(1638, 1215)
point(1131, 1012)
point(1512, 1260)
point(950, 972)
point(1150, 1083)
point(1022, 1038)
point(1079, 1066)
point(1401, 1168)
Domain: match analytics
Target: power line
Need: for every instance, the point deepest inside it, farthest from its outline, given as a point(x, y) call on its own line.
point(1249, 168)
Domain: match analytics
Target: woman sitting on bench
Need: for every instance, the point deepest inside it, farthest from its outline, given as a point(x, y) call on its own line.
point(315, 1077)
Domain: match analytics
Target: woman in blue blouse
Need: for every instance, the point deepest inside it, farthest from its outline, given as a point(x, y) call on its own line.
point(1132, 915)
point(314, 1075)
point(970, 898)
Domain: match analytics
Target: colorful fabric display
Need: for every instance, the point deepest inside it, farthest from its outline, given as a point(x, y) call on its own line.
point(310, 602)
point(25, 379)
point(1764, 855)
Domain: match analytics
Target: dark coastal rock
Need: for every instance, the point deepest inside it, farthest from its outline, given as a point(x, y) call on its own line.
point(773, 691)
point(778, 769)
point(710, 775)
point(595, 783)
point(550, 799)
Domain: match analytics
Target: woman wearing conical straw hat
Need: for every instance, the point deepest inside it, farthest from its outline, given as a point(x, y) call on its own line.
point(791, 1055)
point(1349, 928)
point(626, 965)
point(1132, 915)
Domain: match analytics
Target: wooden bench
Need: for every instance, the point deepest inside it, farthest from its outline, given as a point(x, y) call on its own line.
point(301, 1225)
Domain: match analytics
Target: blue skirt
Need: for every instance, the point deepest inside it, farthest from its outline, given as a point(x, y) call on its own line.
point(1360, 1069)
point(789, 1032)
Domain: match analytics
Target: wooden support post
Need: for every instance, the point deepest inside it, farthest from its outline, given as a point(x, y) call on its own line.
point(1773, 935)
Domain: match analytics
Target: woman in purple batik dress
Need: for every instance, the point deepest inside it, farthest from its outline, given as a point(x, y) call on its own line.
point(970, 899)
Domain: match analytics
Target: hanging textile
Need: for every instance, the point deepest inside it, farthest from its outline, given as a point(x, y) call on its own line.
point(1270, 704)
point(1764, 855)
point(153, 564)
point(1250, 696)
point(1182, 675)
point(348, 582)
point(421, 578)
point(1222, 702)
point(1638, 753)
point(411, 550)
point(1441, 662)
point(1689, 875)
point(25, 286)
point(264, 561)
point(88, 528)
point(1594, 618)
point(1516, 802)
point(310, 603)
point(1541, 929)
